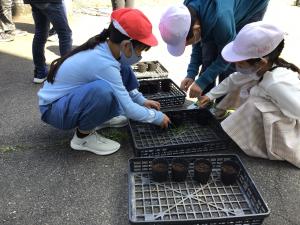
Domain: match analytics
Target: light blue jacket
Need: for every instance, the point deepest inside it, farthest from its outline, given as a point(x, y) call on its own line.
point(90, 65)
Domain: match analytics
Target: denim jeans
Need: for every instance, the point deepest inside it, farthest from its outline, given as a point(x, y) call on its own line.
point(43, 14)
point(86, 107)
point(210, 53)
point(116, 4)
point(6, 21)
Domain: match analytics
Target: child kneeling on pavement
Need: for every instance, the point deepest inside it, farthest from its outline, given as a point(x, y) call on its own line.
point(93, 84)
point(267, 88)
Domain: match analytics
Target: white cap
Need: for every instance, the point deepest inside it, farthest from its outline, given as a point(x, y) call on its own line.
point(255, 40)
point(174, 27)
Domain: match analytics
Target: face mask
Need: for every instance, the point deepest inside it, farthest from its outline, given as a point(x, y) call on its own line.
point(247, 71)
point(250, 72)
point(134, 58)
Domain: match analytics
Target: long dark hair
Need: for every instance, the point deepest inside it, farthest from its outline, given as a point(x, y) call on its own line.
point(110, 33)
point(274, 58)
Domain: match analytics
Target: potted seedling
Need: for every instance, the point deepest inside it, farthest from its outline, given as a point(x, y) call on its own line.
point(179, 169)
point(202, 170)
point(142, 67)
point(160, 169)
point(229, 172)
point(152, 66)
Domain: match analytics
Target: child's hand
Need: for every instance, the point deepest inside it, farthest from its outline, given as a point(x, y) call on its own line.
point(203, 101)
point(165, 123)
point(152, 104)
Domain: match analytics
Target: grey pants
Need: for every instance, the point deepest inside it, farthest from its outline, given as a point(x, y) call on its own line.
point(6, 22)
point(116, 4)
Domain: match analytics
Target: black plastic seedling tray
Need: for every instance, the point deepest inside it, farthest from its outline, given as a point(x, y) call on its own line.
point(189, 202)
point(171, 98)
point(199, 132)
point(160, 72)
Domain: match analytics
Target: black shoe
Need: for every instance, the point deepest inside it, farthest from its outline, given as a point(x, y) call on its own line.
point(4, 37)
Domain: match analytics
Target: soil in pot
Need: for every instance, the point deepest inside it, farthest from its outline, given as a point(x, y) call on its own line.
point(179, 169)
point(229, 172)
point(152, 66)
point(160, 169)
point(142, 67)
point(202, 170)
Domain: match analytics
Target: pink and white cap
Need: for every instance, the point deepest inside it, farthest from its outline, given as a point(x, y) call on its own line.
point(255, 40)
point(174, 27)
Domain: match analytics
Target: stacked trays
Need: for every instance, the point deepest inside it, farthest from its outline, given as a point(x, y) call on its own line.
point(194, 131)
point(159, 72)
point(189, 202)
point(165, 91)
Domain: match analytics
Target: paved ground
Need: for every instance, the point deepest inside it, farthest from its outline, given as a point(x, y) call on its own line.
point(44, 182)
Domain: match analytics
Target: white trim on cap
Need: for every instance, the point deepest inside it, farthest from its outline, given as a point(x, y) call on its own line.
point(119, 27)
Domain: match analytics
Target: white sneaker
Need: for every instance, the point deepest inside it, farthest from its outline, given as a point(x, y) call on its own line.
point(118, 121)
point(95, 143)
point(52, 38)
point(39, 80)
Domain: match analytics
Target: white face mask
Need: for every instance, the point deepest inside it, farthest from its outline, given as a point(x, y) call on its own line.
point(250, 71)
point(134, 58)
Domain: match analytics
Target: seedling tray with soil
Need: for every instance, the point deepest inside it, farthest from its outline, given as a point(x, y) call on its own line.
point(165, 91)
point(189, 201)
point(193, 131)
point(154, 70)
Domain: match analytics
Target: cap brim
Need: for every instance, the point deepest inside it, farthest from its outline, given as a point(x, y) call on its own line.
point(150, 41)
point(176, 50)
point(229, 54)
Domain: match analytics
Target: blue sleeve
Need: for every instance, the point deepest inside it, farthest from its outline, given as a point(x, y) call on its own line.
point(137, 97)
point(223, 33)
point(131, 109)
point(195, 62)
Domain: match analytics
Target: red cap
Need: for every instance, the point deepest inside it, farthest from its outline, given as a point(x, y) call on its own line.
point(134, 24)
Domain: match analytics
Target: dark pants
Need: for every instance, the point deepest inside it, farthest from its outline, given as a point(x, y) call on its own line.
point(210, 53)
point(43, 14)
point(116, 4)
point(6, 21)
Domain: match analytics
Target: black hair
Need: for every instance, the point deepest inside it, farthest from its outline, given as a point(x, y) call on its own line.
point(110, 33)
point(194, 17)
point(274, 58)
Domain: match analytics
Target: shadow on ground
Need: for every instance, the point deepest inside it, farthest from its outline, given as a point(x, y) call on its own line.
point(25, 26)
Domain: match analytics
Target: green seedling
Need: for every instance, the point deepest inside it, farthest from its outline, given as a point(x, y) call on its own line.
point(114, 134)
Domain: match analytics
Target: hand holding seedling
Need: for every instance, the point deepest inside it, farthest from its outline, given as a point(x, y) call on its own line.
point(186, 83)
point(152, 104)
point(203, 101)
point(165, 123)
point(195, 91)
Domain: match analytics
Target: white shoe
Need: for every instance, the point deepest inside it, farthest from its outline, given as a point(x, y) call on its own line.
point(118, 121)
point(53, 38)
point(95, 143)
point(39, 80)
